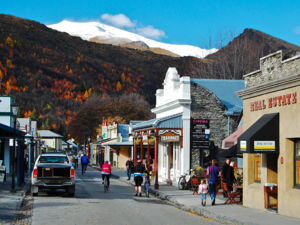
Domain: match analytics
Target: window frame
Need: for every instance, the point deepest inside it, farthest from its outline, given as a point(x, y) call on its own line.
point(296, 158)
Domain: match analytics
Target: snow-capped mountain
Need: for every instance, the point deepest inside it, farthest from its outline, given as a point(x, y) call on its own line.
point(112, 35)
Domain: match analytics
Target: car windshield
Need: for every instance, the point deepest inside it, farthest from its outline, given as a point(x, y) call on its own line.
point(53, 159)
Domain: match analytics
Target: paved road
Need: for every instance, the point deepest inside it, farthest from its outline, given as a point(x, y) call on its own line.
point(92, 206)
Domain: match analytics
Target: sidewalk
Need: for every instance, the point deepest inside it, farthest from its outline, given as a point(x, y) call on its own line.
point(235, 214)
point(11, 202)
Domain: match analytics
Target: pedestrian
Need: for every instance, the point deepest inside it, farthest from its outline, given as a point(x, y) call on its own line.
point(213, 174)
point(84, 163)
point(139, 169)
point(106, 172)
point(202, 190)
point(228, 174)
point(129, 165)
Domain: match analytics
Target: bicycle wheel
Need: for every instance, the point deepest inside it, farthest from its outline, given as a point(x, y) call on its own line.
point(105, 184)
point(181, 183)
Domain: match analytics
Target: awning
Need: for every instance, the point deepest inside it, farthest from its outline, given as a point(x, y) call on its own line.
point(262, 136)
point(173, 121)
point(127, 143)
point(8, 132)
point(232, 139)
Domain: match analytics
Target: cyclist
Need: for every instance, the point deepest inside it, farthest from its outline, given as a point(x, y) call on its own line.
point(106, 171)
point(84, 163)
point(138, 177)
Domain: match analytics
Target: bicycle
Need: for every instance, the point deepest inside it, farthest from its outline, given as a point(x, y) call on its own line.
point(106, 187)
point(184, 182)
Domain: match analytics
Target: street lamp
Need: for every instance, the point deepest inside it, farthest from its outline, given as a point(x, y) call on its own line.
point(15, 108)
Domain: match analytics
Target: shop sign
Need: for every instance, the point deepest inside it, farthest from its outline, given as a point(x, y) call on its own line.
point(274, 102)
point(243, 146)
point(170, 137)
point(200, 133)
point(264, 146)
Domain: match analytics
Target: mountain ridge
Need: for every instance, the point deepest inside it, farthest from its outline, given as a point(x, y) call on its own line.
point(52, 74)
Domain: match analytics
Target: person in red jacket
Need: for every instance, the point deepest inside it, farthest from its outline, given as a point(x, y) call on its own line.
point(106, 171)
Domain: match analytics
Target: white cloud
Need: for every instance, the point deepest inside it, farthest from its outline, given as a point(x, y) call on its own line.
point(119, 20)
point(151, 32)
point(297, 30)
point(122, 21)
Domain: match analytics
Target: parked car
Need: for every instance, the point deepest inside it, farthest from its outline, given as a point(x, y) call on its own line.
point(53, 171)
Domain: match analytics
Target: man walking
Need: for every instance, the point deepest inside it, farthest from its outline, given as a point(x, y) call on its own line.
point(228, 174)
point(84, 163)
point(129, 165)
point(213, 174)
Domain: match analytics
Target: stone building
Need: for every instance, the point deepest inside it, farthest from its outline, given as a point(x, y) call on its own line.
point(192, 116)
point(215, 101)
point(270, 142)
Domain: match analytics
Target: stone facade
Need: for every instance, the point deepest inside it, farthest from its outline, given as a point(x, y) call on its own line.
point(273, 68)
point(206, 105)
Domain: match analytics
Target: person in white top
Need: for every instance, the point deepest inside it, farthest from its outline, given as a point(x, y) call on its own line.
point(202, 190)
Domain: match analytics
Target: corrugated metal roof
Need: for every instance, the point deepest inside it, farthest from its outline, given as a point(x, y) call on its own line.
point(48, 134)
point(225, 91)
point(174, 121)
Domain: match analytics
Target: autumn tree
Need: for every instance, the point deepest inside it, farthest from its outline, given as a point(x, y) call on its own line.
point(121, 109)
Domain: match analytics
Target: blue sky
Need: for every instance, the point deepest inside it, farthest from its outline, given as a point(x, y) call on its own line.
point(172, 21)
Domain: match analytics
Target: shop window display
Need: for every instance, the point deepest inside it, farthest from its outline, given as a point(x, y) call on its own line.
point(257, 168)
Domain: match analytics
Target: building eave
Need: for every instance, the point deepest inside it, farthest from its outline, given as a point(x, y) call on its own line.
point(171, 105)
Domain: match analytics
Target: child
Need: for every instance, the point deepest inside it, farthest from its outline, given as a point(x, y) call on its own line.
point(203, 189)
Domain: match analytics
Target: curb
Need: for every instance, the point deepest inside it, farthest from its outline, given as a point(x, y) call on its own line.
point(199, 211)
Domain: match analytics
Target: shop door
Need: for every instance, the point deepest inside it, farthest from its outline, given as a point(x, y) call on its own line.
point(170, 161)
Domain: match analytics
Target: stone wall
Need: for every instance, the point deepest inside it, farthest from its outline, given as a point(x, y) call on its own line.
point(273, 68)
point(206, 105)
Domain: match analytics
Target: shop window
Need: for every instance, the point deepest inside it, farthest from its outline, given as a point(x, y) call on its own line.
point(257, 168)
point(297, 163)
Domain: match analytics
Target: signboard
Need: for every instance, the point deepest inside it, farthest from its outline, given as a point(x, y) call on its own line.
point(264, 146)
point(104, 132)
point(243, 146)
point(5, 104)
point(200, 133)
point(145, 138)
point(170, 137)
